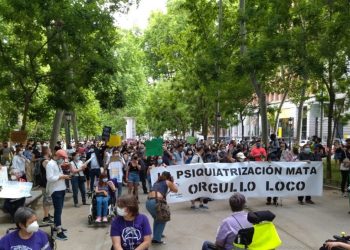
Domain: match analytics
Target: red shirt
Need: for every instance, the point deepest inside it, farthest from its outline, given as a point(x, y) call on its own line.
point(257, 153)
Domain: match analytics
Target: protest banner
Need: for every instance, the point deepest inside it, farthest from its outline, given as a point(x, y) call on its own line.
point(15, 189)
point(154, 147)
point(253, 179)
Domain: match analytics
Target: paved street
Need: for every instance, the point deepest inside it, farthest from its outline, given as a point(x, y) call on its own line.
point(300, 227)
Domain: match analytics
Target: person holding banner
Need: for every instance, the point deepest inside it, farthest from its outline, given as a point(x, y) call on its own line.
point(159, 191)
point(230, 226)
point(197, 158)
point(258, 153)
point(306, 155)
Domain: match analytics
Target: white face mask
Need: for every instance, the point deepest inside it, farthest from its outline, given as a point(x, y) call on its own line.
point(33, 227)
point(121, 211)
point(13, 177)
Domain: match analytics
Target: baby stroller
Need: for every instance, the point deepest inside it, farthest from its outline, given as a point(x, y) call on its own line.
point(93, 208)
point(263, 234)
point(48, 229)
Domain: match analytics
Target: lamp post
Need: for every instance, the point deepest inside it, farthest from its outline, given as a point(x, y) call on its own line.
point(290, 123)
point(68, 119)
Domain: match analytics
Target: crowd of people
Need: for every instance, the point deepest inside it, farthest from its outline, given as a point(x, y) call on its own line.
point(92, 166)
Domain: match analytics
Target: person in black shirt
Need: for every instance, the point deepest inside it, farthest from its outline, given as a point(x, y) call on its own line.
point(306, 155)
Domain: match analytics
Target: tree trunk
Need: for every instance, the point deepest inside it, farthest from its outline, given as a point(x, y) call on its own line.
point(75, 127)
point(279, 111)
point(27, 100)
point(205, 127)
point(262, 104)
point(330, 130)
point(56, 128)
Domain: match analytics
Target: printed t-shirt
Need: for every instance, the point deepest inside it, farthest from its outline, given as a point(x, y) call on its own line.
point(131, 233)
point(12, 241)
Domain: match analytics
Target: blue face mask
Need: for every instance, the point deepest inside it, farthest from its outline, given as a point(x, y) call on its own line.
point(307, 150)
point(160, 161)
point(59, 162)
point(104, 179)
point(258, 145)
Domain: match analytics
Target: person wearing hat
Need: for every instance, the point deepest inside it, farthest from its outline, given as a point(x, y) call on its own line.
point(57, 188)
point(159, 191)
point(240, 157)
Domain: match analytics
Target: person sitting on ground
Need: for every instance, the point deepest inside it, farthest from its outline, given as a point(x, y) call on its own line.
point(130, 230)
point(102, 197)
point(231, 225)
point(27, 235)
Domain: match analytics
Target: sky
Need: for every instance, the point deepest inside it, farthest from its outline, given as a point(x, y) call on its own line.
point(139, 16)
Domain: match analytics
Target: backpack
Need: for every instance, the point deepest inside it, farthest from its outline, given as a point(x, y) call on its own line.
point(40, 173)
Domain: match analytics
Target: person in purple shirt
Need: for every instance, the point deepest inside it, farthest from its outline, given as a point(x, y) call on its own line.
point(27, 236)
point(231, 225)
point(130, 230)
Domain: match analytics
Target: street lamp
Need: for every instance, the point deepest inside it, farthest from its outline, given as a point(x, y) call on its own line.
point(68, 119)
point(290, 124)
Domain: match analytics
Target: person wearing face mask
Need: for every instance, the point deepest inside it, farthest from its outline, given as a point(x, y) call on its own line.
point(345, 167)
point(28, 235)
point(133, 175)
point(130, 230)
point(102, 197)
point(78, 180)
point(56, 187)
point(306, 155)
point(115, 168)
point(19, 161)
point(258, 153)
point(188, 156)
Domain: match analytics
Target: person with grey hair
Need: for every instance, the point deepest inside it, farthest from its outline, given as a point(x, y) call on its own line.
point(27, 235)
point(231, 225)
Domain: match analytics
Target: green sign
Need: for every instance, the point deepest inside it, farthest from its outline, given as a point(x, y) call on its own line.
point(191, 140)
point(154, 147)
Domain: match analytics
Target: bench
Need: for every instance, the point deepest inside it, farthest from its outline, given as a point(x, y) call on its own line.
point(30, 202)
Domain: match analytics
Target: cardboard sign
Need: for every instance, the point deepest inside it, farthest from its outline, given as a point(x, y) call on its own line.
point(115, 141)
point(154, 147)
point(19, 136)
point(16, 190)
point(106, 132)
point(191, 140)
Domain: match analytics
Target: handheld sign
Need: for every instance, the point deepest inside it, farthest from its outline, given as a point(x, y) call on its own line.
point(154, 147)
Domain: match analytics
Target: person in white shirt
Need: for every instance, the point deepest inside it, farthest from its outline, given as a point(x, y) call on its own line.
point(115, 168)
point(197, 158)
point(57, 188)
point(19, 162)
point(78, 179)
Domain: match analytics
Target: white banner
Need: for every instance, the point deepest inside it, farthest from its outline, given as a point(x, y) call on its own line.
point(3, 175)
point(253, 179)
point(15, 189)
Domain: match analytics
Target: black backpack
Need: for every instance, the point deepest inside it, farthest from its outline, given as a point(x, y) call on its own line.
point(40, 173)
